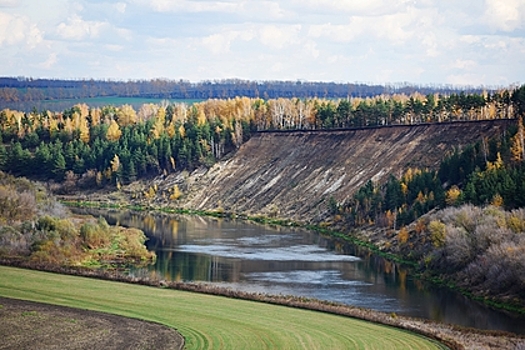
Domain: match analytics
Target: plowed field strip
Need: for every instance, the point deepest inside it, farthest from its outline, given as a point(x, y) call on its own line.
point(210, 322)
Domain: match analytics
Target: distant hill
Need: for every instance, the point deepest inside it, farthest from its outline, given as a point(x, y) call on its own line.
point(24, 93)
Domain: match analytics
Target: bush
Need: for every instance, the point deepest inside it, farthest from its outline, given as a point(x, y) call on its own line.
point(94, 235)
point(483, 248)
point(12, 242)
point(437, 233)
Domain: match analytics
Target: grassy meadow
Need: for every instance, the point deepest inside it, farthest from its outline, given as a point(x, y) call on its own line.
point(93, 102)
point(209, 322)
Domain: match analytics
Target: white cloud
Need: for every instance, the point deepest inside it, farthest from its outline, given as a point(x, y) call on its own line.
point(464, 64)
point(505, 15)
point(114, 47)
point(77, 29)
point(50, 62)
point(394, 28)
point(217, 43)
point(221, 42)
point(339, 32)
point(468, 79)
point(354, 7)
point(120, 7)
point(277, 37)
point(15, 30)
point(421, 41)
point(9, 3)
point(191, 6)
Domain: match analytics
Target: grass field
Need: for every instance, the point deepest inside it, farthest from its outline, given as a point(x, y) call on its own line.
point(209, 322)
point(61, 105)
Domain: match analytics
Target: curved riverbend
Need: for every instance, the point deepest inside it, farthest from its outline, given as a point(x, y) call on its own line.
point(284, 261)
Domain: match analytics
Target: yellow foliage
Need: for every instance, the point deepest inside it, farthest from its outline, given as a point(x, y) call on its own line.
point(114, 132)
point(420, 226)
point(515, 223)
point(126, 115)
point(175, 193)
point(99, 177)
point(201, 117)
point(437, 231)
point(84, 130)
point(497, 164)
point(390, 218)
point(410, 173)
point(115, 163)
point(95, 116)
point(404, 188)
point(452, 196)
point(517, 147)
point(150, 193)
point(497, 200)
point(403, 235)
point(107, 173)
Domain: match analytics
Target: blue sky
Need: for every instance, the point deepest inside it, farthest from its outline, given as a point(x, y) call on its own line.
point(468, 42)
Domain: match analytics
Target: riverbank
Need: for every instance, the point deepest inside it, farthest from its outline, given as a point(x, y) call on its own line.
point(377, 241)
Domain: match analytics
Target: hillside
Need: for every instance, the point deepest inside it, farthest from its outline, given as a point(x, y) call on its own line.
point(293, 174)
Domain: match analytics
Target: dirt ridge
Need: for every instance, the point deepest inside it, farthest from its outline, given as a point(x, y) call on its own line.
point(293, 174)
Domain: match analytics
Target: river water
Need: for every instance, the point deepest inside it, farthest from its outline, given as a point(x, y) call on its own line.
point(275, 260)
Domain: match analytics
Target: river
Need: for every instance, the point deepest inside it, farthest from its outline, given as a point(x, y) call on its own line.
point(261, 258)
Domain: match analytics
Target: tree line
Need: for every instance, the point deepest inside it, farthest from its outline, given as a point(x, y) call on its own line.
point(119, 144)
point(28, 89)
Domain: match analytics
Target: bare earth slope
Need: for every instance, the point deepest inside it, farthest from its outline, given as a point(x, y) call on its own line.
point(30, 325)
point(293, 174)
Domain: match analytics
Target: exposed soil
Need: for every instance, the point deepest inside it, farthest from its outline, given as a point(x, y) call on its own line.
point(30, 325)
point(293, 174)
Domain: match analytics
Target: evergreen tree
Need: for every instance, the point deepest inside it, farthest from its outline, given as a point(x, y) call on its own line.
point(59, 166)
point(3, 157)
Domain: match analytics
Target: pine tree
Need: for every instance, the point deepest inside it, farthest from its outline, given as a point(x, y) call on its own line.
point(3, 157)
point(59, 166)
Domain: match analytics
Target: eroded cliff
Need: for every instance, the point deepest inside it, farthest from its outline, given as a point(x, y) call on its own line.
point(293, 174)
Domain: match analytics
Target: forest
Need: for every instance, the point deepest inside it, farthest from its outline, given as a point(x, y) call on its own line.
point(88, 147)
point(489, 172)
point(24, 89)
point(95, 146)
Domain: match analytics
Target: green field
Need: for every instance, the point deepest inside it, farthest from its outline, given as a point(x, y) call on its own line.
point(61, 105)
point(119, 101)
point(210, 322)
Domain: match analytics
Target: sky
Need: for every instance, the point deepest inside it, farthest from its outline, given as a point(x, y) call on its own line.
point(427, 42)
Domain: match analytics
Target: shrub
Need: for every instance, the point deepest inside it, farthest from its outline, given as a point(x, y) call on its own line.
point(12, 241)
point(437, 231)
point(403, 235)
point(483, 248)
point(516, 221)
point(94, 235)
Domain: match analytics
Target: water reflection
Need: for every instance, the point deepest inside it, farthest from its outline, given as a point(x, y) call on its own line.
point(276, 260)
